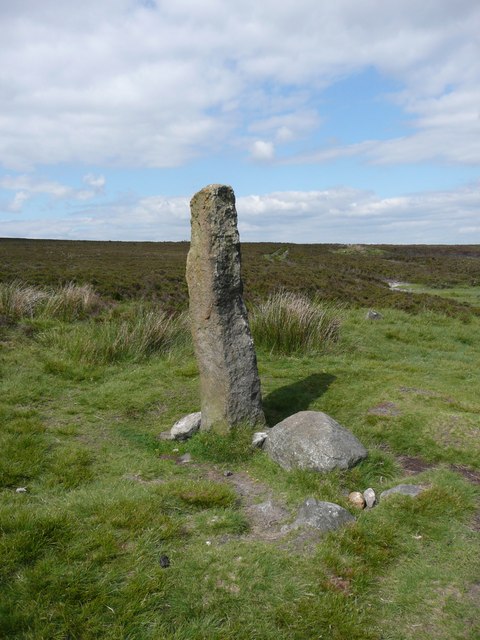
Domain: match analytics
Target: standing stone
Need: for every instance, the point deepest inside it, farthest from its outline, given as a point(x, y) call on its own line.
point(229, 382)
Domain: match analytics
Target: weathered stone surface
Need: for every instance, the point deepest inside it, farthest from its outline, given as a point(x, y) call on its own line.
point(258, 439)
point(186, 426)
point(324, 516)
point(229, 382)
point(411, 490)
point(313, 440)
point(373, 315)
point(370, 497)
point(357, 499)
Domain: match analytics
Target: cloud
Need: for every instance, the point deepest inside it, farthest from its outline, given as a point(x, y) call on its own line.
point(16, 205)
point(262, 150)
point(158, 84)
point(27, 187)
point(96, 182)
point(339, 215)
point(287, 126)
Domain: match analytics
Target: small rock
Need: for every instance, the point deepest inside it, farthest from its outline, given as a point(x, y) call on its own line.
point(164, 561)
point(208, 542)
point(259, 438)
point(324, 516)
point(357, 499)
point(228, 473)
point(411, 490)
point(21, 490)
point(184, 459)
point(186, 426)
point(370, 497)
point(373, 315)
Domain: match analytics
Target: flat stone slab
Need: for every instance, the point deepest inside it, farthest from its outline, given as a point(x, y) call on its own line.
point(324, 516)
point(313, 440)
point(412, 490)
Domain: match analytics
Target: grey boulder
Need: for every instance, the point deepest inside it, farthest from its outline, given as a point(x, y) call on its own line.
point(412, 490)
point(186, 426)
point(324, 516)
point(313, 440)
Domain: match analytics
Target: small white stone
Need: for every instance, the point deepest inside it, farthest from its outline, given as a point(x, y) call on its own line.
point(370, 497)
point(21, 490)
point(186, 426)
point(259, 438)
point(208, 542)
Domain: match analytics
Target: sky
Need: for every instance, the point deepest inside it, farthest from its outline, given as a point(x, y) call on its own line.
point(346, 121)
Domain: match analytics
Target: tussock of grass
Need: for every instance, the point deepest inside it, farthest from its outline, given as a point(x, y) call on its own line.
point(288, 323)
point(18, 300)
point(67, 303)
point(140, 334)
point(71, 302)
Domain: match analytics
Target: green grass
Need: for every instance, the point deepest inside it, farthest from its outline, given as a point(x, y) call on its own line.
point(288, 323)
point(106, 499)
point(463, 294)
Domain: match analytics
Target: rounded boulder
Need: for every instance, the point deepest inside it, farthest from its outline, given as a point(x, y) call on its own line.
point(313, 440)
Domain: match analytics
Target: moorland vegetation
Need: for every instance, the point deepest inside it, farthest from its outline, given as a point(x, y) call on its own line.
point(96, 361)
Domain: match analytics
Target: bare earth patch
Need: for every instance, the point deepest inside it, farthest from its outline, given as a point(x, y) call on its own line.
point(265, 514)
point(388, 409)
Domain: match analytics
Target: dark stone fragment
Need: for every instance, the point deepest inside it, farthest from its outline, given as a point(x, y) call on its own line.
point(164, 561)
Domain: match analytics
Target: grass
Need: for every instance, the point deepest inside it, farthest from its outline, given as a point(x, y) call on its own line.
point(288, 323)
point(106, 499)
point(68, 302)
point(130, 337)
point(463, 294)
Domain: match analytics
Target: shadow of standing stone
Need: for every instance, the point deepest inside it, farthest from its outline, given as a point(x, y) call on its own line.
point(229, 382)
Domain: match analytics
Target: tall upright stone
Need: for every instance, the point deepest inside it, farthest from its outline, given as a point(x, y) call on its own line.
point(229, 382)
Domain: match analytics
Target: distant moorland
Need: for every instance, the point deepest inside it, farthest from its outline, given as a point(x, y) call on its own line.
point(356, 274)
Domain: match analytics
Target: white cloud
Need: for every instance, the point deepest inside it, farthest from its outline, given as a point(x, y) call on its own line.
point(262, 150)
point(96, 182)
point(28, 187)
point(333, 215)
point(287, 126)
point(15, 206)
point(124, 82)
